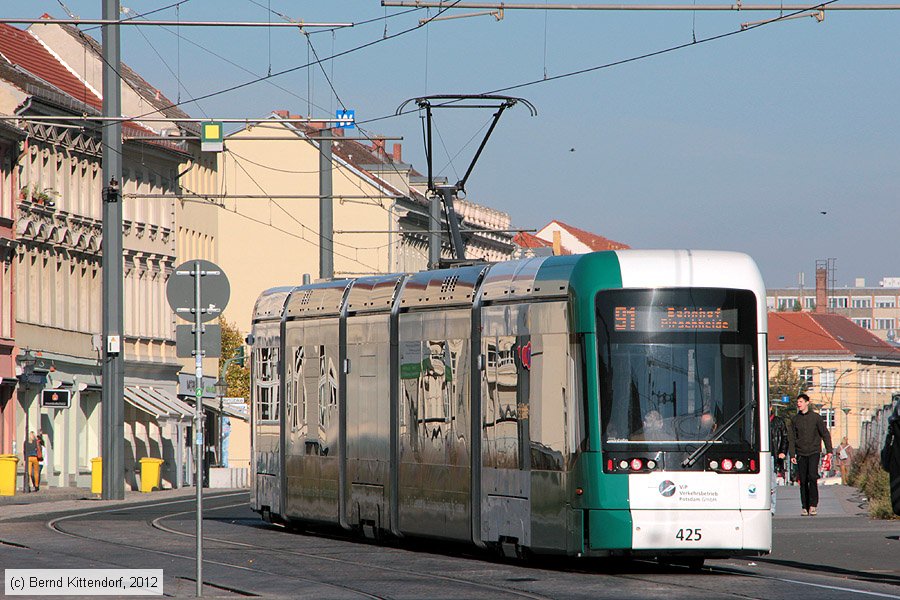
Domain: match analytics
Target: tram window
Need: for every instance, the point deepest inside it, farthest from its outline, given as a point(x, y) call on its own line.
point(676, 385)
point(266, 367)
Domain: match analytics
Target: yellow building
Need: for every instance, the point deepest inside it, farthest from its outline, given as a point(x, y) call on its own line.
point(850, 373)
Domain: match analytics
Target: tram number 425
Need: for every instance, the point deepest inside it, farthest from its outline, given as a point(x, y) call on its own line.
point(689, 535)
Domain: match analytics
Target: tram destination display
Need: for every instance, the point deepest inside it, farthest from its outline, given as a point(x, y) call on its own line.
point(653, 319)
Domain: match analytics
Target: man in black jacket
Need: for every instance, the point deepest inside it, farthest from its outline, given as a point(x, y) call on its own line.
point(809, 433)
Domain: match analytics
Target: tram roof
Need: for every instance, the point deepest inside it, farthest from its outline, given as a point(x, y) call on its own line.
point(317, 299)
point(270, 303)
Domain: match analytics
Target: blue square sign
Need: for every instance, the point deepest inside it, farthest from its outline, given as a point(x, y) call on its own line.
point(347, 116)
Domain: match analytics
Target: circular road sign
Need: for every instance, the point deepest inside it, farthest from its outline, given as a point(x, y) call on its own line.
point(214, 290)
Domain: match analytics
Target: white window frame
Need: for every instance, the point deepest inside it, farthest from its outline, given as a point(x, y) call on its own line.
point(838, 302)
point(806, 376)
point(884, 324)
point(827, 380)
point(861, 302)
point(809, 302)
point(885, 302)
point(865, 323)
point(828, 415)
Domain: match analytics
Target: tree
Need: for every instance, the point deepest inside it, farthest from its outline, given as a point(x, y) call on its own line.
point(786, 382)
point(237, 375)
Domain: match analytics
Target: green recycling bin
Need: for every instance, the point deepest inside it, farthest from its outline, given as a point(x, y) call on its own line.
point(8, 464)
point(97, 475)
point(151, 474)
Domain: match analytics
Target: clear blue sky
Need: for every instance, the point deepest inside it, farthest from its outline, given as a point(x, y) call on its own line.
point(739, 143)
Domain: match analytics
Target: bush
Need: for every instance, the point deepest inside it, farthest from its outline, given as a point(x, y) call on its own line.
point(867, 475)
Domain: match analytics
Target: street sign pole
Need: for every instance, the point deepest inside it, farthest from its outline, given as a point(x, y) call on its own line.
point(198, 424)
point(185, 299)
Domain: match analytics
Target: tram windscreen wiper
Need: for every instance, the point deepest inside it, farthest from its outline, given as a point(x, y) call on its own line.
point(696, 454)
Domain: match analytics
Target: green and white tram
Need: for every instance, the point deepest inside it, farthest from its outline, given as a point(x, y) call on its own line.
point(603, 404)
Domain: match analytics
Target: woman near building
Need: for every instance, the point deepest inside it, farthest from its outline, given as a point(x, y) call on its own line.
point(843, 455)
point(32, 465)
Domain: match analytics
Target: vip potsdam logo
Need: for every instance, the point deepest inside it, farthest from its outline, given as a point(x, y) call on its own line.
point(667, 488)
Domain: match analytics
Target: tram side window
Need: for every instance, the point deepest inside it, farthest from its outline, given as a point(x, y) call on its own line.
point(295, 388)
point(500, 421)
point(266, 368)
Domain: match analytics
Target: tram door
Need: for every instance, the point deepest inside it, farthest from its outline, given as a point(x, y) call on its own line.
point(368, 420)
point(505, 443)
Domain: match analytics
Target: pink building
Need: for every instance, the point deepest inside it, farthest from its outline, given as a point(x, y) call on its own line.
point(9, 192)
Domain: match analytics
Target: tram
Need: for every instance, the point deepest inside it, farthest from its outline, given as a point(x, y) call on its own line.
point(605, 404)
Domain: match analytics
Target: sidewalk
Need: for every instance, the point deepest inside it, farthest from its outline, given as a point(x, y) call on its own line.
point(50, 501)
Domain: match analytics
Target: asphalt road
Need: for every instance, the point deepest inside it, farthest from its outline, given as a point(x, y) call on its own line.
point(839, 554)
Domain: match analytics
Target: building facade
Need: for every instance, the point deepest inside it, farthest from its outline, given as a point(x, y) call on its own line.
point(57, 266)
point(849, 372)
point(874, 308)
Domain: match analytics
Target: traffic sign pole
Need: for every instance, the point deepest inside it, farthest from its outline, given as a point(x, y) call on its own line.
point(185, 299)
point(198, 424)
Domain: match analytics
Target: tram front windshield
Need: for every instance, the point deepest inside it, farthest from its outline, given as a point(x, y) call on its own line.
point(676, 366)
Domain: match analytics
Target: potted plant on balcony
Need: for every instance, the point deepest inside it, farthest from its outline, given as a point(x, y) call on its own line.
point(42, 197)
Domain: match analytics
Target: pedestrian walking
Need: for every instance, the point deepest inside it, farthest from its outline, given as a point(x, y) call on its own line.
point(32, 466)
point(843, 455)
point(809, 435)
point(778, 442)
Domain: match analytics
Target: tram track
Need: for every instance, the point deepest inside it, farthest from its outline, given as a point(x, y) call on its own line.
point(356, 565)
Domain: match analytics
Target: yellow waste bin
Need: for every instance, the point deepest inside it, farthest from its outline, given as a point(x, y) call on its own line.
point(8, 464)
point(97, 475)
point(151, 473)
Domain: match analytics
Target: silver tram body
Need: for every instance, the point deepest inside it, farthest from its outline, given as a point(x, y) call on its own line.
point(364, 416)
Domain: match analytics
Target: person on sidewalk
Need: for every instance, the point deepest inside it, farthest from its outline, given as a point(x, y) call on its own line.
point(809, 434)
point(778, 442)
point(843, 456)
point(32, 467)
point(890, 457)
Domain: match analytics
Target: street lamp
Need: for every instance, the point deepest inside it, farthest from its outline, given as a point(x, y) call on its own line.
point(221, 390)
point(831, 401)
point(26, 361)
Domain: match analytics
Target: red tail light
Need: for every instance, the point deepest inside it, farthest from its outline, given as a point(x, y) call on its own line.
point(752, 465)
point(727, 464)
point(636, 464)
point(609, 465)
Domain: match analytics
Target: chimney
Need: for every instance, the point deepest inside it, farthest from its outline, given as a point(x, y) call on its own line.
point(821, 291)
point(337, 132)
point(397, 153)
point(282, 113)
point(557, 243)
point(378, 146)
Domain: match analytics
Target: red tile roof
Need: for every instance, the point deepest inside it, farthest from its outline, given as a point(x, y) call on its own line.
point(523, 239)
point(21, 48)
point(593, 241)
point(823, 334)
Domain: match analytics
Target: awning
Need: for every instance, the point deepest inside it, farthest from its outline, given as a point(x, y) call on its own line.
point(228, 411)
point(157, 402)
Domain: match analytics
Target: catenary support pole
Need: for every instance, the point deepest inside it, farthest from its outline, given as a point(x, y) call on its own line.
point(326, 208)
point(113, 368)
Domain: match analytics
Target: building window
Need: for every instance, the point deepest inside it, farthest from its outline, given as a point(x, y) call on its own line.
point(885, 302)
point(862, 302)
point(786, 303)
point(809, 302)
point(806, 376)
point(884, 323)
point(770, 302)
point(828, 415)
point(864, 323)
point(827, 380)
point(837, 302)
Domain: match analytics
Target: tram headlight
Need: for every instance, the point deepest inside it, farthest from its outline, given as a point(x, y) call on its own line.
point(623, 464)
point(651, 464)
point(713, 464)
point(637, 464)
point(739, 465)
point(727, 464)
